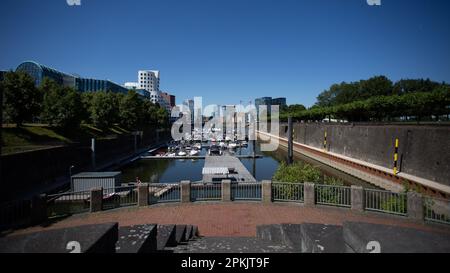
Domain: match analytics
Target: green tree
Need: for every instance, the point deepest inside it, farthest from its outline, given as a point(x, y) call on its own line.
point(62, 106)
point(104, 109)
point(130, 110)
point(21, 99)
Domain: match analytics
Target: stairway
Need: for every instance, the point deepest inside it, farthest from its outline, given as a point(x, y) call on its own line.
point(354, 237)
point(284, 238)
point(153, 238)
point(231, 245)
point(351, 237)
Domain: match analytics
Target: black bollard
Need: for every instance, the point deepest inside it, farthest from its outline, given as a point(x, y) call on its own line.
point(290, 141)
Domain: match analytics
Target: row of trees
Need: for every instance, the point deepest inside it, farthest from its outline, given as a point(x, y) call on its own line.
point(377, 99)
point(64, 107)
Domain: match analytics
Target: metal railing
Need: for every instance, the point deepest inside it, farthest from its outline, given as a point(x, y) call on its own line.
point(246, 191)
point(332, 195)
point(437, 210)
point(67, 203)
point(385, 201)
point(206, 192)
point(288, 192)
point(120, 197)
point(165, 193)
point(16, 212)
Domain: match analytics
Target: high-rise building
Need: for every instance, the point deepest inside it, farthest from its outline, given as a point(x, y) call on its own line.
point(169, 100)
point(267, 102)
point(149, 80)
point(279, 101)
point(190, 105)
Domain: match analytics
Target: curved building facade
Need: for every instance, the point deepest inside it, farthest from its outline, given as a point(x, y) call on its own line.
point(38, 72)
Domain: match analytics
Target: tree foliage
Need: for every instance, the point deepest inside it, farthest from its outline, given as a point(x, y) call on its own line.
point(62, 106)
point(21, 99)
point(66, 108)
point(378, 99)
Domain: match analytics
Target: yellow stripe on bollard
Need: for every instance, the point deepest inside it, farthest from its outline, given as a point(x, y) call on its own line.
point(396, 156)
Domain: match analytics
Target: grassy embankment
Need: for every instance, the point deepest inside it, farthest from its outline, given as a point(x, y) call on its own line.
point(40, 136)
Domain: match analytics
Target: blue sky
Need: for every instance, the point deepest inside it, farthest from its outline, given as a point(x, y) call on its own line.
point(232, 50)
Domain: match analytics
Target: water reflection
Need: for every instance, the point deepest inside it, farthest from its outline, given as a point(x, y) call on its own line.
point(173, 171)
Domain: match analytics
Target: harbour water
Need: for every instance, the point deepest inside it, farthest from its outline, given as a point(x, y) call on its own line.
point(176, 170)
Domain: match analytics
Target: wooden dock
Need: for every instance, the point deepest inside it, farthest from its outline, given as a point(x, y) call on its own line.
point(239, 173)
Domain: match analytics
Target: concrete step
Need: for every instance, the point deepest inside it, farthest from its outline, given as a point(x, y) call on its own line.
point(180, 233)
point(99, 238)
point(318, 238)
point(137, 239)
point(272, 233)
point(366, 238)
point(292, 236)
point(231, 245)
point(305, 238)
point(195, 232)
point(166, 236)
point(188, 234)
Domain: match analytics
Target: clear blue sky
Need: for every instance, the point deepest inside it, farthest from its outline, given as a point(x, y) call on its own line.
point(232, 50)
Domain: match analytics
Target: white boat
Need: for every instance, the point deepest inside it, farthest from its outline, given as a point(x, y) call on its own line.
point(171, 154)
point(193, 152)
point(182, 153)
point(232, 145)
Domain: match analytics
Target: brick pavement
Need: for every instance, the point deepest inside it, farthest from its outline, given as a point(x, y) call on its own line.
point(232, 219)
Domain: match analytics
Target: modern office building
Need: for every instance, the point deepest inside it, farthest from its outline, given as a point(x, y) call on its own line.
point(149, 80)
point(279, 101)
point(38, 72)
point(190, 105)
point(135, 86)
point(131, 85)
point(169, 100)
point(94, 85)
point(266, 102)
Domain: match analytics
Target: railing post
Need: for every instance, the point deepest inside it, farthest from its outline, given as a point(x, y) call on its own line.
point(142, 192)
point(226, 190)
point(96, 199)
point(266, 191)
point(357, 198)
point(309, 195)
point(415, 206)
point(152, 197)
point(185, 191)
point(39, 209)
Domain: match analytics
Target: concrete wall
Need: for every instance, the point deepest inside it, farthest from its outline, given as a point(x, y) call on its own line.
point(28, 171)
point(424, 150)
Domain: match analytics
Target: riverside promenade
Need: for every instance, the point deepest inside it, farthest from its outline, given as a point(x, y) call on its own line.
point(237, 219)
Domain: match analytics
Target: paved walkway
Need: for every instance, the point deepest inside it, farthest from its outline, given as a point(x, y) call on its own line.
point(232, 219)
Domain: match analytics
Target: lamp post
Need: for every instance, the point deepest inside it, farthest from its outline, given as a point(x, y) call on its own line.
point(70, 171)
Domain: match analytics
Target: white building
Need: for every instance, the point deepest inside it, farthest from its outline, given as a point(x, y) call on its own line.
point(131, 85)
point(149, 80)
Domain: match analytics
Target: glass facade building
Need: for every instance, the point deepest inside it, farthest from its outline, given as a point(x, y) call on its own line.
point(39, 72)
point(267, 102)
point(279, 101)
